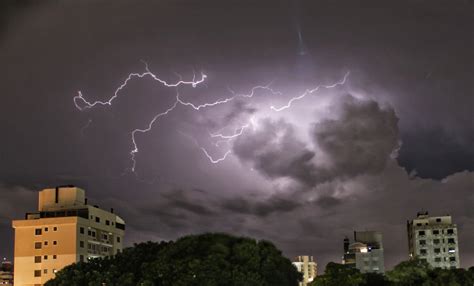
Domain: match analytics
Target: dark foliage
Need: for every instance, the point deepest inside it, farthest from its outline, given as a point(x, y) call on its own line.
point(208, 259)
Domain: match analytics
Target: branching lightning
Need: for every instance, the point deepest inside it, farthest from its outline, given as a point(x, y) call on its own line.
point(310, 91)
point(82, 103)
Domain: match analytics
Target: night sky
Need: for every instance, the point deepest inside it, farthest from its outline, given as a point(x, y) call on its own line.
point(393, 138)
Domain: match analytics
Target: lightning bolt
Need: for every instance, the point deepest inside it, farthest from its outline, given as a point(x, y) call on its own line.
point(310, 91)
point(82, 103)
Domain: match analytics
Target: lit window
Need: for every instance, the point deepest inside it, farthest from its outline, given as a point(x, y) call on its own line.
point(451, 250)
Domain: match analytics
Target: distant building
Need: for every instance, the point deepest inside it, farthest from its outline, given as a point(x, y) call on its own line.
point(64, 230)
point(6, 273)
point(365, 253)
point(434, 239)
point(306, 266)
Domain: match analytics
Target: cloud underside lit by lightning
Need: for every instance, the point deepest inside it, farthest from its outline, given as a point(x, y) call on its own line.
point(82, 104)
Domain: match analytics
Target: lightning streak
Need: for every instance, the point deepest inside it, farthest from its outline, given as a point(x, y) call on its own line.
point(310, 91)
point(85, 104)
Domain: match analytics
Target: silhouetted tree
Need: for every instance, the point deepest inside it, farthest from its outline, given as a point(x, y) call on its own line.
point(208, 259)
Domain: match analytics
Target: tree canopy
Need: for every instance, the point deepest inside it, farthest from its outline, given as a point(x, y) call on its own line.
point(407, 273)
point(208, 259)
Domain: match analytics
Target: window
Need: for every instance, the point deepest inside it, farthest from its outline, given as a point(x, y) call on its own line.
point(55, 256)
point(45, 243)
point(81, 258)
point(37, 245)
point(81, 230)
point(421, 232)
point(438, 259)
point(452, 258)
point(46, 229)
point(37, 259)
point(54, 270)
point(437, 250)
point(55, 229)
point(451, 250)
point(422, 251)
point(438, 220)
point(436, 231)
point(422, 242)
point(107, 222)
point(118, 238)
point(97, 219)
point(418, 224)
point(81, 244)
point(104, 236)
point(38, 231)
point(450, 231)
point(55, 242)
point(37, 273)
point(451, 240)
point(436, 241)
point(89, 233)
point(45, 271)
point(45, 257)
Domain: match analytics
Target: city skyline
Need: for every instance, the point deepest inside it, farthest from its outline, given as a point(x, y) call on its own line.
point(292, 121)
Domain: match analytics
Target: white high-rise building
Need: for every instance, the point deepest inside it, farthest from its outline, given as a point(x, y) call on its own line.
point(434, 239)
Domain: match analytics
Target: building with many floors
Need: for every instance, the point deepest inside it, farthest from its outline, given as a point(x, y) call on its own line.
point(306, 266)
point(6, 273)
point(64, 230)
point(434, 239)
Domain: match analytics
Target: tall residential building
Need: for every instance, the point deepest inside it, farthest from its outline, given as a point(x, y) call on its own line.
point(64, 230)
point(365, 253)
point(434, 239)
point(6, 273)
point(306, 266)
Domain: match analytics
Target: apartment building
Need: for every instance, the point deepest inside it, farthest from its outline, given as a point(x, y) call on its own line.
point(64, 230)
point(306, 266)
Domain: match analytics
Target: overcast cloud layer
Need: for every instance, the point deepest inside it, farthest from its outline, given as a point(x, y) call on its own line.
point(396, 138)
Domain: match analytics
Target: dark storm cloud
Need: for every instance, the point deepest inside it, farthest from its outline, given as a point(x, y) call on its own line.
point(259, 207)
point(359, 141)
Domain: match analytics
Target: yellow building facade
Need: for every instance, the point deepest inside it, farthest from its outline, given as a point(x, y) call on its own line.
point(64, 230)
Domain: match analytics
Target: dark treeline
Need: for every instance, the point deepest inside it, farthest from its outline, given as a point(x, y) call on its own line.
point(221, 259)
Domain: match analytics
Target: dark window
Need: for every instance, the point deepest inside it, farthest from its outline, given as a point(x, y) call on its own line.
point(436, 231)
point(423, 251)
point(45, 257)
point(45, 229)
point(418, 224)
point(45, 271)
point(437, 250)
point(436, 241)
point(38, 231)
point(452, 258)
point(81, 244)
point(37, 273)
point(438, 259)
point(93, 233)
point(451, 240)
point(55, 228)
point(89, 233)
point(107, 222)
point(37, 245)
point(120, 226)
point(450, 231)
point(81, 258)
point(37, 259)
point(45, 243)
point(81, 230)
point(438, 220)
point(422, 242)
point(55, 256)
point(118, 238)
point(421, 232)
point(55, 242)
point(97, 219)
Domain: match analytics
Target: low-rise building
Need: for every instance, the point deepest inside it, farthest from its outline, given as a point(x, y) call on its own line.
point(365, 253)
point(6, 273)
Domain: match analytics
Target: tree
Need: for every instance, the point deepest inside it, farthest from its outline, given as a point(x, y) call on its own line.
point(208, 259)
point(339, 274)
point(410, 273)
